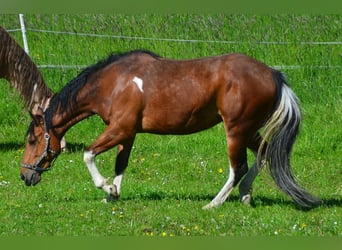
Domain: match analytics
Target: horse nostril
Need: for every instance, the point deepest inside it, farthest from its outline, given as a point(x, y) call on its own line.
point(26, 178)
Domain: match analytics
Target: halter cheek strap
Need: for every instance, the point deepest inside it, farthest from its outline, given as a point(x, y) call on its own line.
point(36, 166)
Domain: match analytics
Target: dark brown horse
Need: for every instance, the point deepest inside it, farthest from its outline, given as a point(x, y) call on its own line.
point(139, 92)
point(18, 68)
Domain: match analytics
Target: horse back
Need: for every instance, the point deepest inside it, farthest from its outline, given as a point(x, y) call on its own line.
point(186, 96)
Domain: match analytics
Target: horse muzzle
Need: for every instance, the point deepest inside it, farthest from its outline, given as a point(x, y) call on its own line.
point(30, 177)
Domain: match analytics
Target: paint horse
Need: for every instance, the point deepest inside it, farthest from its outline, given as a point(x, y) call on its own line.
point(140, 92)
point(18, 68)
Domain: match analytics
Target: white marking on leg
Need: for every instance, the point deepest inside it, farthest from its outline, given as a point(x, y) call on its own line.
point(139, 82)
point(222, 196)
point(117, 182)
point(89, 159)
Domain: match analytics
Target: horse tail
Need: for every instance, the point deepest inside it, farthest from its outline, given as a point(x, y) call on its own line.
point(280, 133)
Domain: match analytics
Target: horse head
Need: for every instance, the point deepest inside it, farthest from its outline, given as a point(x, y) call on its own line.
point(42, 147)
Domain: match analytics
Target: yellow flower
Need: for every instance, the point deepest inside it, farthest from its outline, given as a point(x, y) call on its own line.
point(220, 170)
point(164, 234)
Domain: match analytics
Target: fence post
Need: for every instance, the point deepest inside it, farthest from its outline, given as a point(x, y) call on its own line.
point(23, 31)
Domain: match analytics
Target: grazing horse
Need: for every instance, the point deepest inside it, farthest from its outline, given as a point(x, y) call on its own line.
point(138, 92)
point(18, 68)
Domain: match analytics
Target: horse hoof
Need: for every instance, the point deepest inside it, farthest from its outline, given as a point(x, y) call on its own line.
point(246, 199)
point(110, 198)
point(209, 206)
point(112, 194)
point(206, 207)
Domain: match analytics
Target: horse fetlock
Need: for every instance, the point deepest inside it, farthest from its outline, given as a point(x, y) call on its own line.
point(110, 190)
point(101, 182)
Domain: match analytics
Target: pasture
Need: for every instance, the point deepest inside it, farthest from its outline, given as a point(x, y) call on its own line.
point(170, 178)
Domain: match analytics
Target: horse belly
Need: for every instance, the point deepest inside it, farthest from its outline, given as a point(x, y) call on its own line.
point(172, 121)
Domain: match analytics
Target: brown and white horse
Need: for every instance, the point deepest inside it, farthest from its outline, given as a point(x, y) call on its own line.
point(18, 68)
point(138, 92)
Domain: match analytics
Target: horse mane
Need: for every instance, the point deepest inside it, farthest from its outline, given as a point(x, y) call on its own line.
point(18, 68)
point(66, 98)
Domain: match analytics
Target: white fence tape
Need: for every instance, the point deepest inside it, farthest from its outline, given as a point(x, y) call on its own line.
point(23, 30)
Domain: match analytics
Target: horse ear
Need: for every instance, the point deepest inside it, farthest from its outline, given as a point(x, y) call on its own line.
point(36, 110)
point(32, 115)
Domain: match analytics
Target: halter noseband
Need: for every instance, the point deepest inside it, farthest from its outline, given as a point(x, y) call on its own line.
point(36, 166)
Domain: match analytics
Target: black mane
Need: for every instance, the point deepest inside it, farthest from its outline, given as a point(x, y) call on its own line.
point(67, 96)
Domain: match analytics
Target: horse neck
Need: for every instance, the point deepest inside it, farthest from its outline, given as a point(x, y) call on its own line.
point(18, 68)
point(62, 121)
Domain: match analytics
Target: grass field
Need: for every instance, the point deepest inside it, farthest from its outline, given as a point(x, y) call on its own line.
point(170, 178)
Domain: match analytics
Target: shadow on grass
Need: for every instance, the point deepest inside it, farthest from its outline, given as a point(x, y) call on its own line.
point(160, 195)
point(257, 201)
point(75, 147)
point(264, 201)
point(10, 146)
point(332, 202)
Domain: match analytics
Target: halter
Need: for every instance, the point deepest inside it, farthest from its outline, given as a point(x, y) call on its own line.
point(36, 166)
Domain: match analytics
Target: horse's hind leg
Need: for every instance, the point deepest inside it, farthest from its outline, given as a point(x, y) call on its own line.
point(245, 187)
point(238, 168)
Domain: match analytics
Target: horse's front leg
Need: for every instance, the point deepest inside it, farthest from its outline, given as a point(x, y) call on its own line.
point(110, 138)
point(98, 179)
point(121, 163)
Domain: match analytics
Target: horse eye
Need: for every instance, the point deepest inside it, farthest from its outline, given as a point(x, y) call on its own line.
point(31, 140)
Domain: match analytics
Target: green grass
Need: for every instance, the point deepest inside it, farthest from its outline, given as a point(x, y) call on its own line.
point(170, 178)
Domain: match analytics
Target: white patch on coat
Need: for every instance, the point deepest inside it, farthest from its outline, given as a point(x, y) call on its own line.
point(139, 82)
